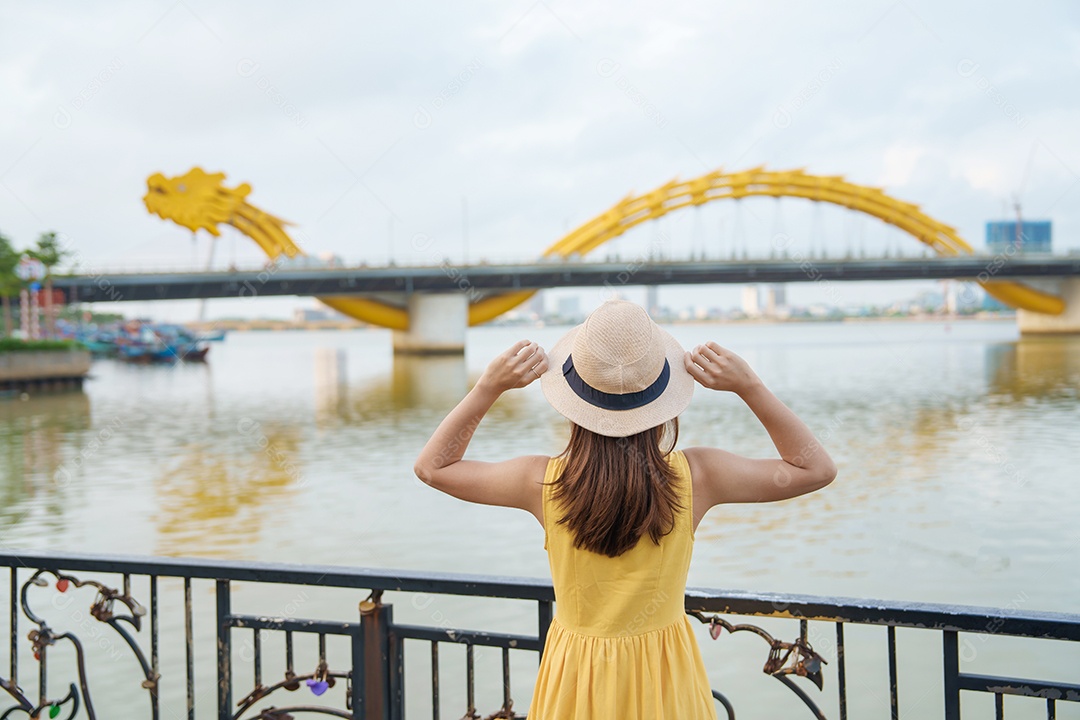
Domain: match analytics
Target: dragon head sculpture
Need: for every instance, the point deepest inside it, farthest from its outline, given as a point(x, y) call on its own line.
point(197, 200)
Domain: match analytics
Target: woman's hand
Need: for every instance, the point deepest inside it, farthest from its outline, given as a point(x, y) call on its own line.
point(517, 367)
point(720, 369)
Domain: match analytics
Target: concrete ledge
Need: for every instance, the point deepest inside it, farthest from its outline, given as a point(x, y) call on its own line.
point(43, 365)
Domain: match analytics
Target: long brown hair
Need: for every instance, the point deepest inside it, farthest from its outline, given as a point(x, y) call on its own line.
point(615, 490)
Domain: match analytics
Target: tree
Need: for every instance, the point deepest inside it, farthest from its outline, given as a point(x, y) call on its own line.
point(10, 284)
point(50, 254)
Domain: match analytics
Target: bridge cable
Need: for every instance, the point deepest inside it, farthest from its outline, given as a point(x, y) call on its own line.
point(816, 224)
point(720, 232)
point(739, 233)
point(849, 233)
point(697, 235)
point(778, 232)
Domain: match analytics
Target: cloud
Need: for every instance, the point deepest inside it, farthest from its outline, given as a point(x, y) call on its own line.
point(899, 163)
point(318, 112)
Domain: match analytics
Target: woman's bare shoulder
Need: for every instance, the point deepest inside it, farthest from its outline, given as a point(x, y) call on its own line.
point(536, 463)
point(695, 456)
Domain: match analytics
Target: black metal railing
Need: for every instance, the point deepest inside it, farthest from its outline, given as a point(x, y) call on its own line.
point(357, 667)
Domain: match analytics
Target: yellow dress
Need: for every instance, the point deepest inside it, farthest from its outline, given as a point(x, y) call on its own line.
point(621, 646)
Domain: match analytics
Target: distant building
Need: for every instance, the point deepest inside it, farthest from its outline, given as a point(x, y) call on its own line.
point(934, 300)
point(780, 295)
point(750, 303)
point(767, 300)
point(652, 300)
point(949, 300)
point(775, 300)
point(306, 315)
point(1009, 236)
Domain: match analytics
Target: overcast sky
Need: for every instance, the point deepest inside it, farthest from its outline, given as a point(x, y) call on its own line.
point(366, 123)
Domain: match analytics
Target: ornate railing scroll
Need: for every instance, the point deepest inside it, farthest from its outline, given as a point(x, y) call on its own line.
point(44, 637)
point(784, 659)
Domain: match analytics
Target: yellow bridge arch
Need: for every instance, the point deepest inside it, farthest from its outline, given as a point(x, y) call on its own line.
point(199, 200)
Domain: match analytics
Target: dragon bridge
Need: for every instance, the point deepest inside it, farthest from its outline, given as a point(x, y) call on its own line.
point(199, 200)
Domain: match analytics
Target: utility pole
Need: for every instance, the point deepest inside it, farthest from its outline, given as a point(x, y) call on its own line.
point(465, 230)
point(390, 241)
point(1018, 242)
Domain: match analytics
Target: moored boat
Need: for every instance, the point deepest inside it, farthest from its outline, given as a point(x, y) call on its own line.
point(141, 341)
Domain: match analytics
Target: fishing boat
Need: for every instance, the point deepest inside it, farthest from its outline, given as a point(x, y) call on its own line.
point(212, 336)
point(164, 343)
point(101, 343)
point(99, 348)
point(163, 353)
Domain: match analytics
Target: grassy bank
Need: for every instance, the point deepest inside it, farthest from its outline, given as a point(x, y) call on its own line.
point(17, 345)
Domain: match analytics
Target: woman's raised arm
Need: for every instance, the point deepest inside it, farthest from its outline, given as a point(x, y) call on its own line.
point(512, 483)
point(804, 465)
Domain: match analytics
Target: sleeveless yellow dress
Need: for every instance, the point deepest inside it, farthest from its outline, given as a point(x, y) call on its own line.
point(621, 646)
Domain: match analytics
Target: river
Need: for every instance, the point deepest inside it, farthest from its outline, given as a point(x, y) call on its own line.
point(956, 445)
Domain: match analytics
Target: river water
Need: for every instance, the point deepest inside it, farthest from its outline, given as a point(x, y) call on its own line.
point(956, 445)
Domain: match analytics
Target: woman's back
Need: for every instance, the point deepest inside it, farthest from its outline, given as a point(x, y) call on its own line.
point(638, 591)
point(621, 644)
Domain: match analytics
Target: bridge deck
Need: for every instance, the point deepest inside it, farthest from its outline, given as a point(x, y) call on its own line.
point(279, 280)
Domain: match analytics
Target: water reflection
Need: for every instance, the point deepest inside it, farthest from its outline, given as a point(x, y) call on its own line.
point(214, 500)
point(383, 397)
point(1016, 372)
point(430, 385)
point(69, 410)
point(331, 383)
point(429, 381)
point(38, 436)
point(1041, 367)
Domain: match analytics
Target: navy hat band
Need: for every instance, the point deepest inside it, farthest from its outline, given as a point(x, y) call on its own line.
point(614, 401)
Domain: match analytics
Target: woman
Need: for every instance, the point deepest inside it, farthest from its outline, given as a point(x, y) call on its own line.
point(620, 505)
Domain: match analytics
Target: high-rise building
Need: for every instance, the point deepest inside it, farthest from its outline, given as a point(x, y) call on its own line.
point(652, 300)
point(950, 302)
point(750, 304)
point(1019, 236)
point(767, 298)
point(780, 294)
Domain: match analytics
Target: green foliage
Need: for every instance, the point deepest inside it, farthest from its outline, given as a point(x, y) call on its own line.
point(48, 251)
point(10, 284)
point(16, 345)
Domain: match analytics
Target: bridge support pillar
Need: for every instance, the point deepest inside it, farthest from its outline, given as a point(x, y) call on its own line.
point(1067, 323)
point(437, 323)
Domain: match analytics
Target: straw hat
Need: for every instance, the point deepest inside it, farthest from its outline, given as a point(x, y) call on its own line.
point(618, 373)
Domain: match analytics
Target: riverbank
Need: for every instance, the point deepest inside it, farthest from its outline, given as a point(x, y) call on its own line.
point(236, 325)
point(277, 325)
